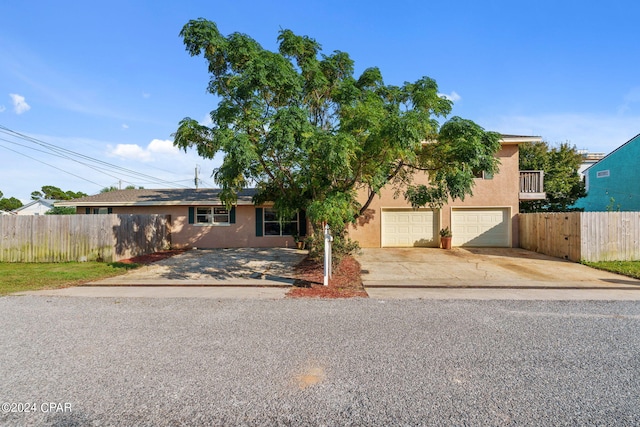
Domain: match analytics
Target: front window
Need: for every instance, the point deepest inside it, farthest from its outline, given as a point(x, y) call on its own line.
point(273, 226)
point(212, 215)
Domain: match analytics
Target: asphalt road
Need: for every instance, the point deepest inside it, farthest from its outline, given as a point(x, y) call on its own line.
point(138, 361)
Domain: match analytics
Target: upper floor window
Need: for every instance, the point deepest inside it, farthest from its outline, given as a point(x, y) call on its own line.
point(482, 174)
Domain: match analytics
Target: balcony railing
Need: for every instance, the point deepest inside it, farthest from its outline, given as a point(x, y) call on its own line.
point(532, 185)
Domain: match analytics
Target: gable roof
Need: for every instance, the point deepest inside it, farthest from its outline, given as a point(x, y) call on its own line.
point(48, 203)
point(613, 152)
point(167, 197)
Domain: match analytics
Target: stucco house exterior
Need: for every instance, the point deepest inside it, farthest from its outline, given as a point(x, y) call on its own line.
point(199, 219)
point(613, 183)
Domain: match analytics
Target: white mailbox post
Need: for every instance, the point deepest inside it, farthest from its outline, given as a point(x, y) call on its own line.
point(328, 238)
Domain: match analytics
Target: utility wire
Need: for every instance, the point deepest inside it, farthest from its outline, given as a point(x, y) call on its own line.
point(65, 153)
point(44, 163)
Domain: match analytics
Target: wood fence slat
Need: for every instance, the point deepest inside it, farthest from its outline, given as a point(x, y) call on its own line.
point(60, 238)
point(588, 236)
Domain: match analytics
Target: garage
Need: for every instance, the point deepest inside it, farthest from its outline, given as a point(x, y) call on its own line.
point(481, 227)
point(408, 228)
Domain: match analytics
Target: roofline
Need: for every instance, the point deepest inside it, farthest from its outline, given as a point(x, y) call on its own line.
point(518, 139)
point(171, 203)
point(586, 169)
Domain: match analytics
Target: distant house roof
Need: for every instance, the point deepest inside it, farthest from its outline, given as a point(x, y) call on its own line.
point(168, 197)
point(614, 151)
point(6, 212)
point(35, 207)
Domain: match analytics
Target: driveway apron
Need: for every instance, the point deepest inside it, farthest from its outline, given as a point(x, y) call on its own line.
point(492, 268)
point(262, 267)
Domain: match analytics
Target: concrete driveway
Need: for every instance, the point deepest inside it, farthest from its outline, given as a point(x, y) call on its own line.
point(270, 267)
point(492, 268)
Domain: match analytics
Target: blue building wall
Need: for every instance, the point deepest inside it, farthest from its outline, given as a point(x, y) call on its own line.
point(614, 182)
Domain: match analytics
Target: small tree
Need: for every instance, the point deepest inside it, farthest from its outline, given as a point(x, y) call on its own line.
point(562, 183)
point(309, 135)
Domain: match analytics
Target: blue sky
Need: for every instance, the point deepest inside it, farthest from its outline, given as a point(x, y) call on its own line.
point(111, 80)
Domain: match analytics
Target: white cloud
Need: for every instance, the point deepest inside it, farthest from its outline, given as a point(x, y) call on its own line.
point(2, 108)
point(146, 95)
point(157, 148)
point(19, 104)
point(125, 126)
point(453, 96)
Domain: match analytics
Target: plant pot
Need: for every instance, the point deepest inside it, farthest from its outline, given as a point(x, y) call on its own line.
point(300, 245)
point(445, 242)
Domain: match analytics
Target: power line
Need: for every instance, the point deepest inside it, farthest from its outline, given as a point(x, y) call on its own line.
point(69, 154)
point(44, 163)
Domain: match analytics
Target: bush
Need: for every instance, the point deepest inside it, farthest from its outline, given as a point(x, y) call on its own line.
point(342, 246)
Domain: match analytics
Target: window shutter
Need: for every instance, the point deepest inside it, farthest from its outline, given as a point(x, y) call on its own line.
point(232, 215)
point(259, 231)
point(87, 211)
point(302, 223)
point(110, 210)
point(192, 215)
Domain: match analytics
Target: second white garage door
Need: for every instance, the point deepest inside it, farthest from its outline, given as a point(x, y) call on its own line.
point(487, 227)
point(408, 227)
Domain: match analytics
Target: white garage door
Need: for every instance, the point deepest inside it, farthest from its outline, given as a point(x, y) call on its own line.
point(480, 227)
point(406, 228)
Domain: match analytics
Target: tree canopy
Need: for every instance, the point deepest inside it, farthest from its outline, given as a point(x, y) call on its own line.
point(50, 192)
point(562, 183)
point(9, 203)
point(298, 125)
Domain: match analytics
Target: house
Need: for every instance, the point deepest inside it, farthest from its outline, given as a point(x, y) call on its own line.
point(489, 218)
point(6, 212)
point(36, 207)
point(613, 183)
point(199, 219)
point(588, 160)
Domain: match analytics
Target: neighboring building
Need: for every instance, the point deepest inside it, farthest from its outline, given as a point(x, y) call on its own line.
point(199, 219)
point(588, 160)
point(6, 212)
point(613, 183)
point(36, 207)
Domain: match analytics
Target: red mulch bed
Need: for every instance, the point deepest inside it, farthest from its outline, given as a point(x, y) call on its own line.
point(344, 283)
point(150, 258)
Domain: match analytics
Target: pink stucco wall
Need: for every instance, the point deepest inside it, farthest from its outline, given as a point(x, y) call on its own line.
point(185, 235)
point(501, 191)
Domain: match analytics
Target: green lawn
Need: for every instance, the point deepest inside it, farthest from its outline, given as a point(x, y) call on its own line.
point(16, 277)
point(628, 268)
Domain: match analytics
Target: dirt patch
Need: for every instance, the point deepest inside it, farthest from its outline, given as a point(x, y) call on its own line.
point(151, 258)
point(345, 281)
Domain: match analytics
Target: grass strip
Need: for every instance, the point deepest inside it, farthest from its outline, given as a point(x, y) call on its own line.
point(18, 277)
point(627, 268)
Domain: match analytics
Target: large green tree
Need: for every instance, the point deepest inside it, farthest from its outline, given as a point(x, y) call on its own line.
point(308, 134)
point(562, 183)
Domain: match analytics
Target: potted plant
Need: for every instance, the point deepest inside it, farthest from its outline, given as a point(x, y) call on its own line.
point(299, 241)
point(445, 238)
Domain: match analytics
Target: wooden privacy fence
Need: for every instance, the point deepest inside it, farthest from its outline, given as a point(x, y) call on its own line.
point(588, 236)
point(60, 238)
